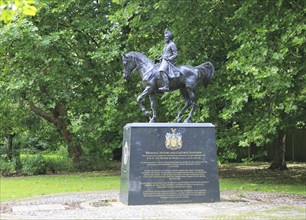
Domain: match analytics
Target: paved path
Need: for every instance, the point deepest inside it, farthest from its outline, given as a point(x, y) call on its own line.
point(105, 205)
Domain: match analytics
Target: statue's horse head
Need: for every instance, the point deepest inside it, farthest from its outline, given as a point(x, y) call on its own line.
point(128, 65)
point(132, 61)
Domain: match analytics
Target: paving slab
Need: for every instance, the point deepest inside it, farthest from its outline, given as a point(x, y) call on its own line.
point(27, 208)
point(105, 205)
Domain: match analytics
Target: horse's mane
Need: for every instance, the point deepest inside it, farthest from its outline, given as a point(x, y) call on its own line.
point(138, 56)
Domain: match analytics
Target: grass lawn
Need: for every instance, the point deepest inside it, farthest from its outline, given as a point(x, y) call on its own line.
point(22, 187)
point(253, 176)
point(257, 177)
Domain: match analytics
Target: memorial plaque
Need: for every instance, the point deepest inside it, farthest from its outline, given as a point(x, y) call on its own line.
point(169, 163)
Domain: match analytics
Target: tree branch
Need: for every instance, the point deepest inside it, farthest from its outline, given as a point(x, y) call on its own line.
point(54, 118)
point(49, 117)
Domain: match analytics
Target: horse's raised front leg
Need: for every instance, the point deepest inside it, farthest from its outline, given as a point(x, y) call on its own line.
point(152, 100)
point(141, 97)
point(193, 105)
point(185, 95)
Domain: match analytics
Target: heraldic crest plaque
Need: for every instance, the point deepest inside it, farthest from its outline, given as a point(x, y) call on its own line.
point(169, 163)
point(173, 140)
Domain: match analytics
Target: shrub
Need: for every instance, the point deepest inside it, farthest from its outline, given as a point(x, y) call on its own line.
point(56, 163)
point(50, 163)
point(93, 162)
point(9, 167)
point(33, 165)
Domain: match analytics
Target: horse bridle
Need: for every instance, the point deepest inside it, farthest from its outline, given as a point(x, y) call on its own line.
point(137, 67)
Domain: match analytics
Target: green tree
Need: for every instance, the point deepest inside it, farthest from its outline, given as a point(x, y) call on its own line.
point(65, 65)
point(265, 93)
point(10, 9)
point(59, 63)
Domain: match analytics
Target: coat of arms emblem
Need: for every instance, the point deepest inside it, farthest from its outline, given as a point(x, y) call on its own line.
point(173, 140)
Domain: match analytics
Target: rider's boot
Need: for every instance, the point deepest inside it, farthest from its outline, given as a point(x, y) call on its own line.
point(165, 82)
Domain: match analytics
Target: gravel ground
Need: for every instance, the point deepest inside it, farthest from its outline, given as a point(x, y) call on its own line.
point(105, 205)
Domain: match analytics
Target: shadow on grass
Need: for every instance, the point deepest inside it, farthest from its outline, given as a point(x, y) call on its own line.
point(259, 173)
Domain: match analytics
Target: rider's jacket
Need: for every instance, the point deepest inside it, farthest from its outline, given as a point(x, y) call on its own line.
point(170, 53)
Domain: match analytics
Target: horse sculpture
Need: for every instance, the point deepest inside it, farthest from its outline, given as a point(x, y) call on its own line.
point(188, 80)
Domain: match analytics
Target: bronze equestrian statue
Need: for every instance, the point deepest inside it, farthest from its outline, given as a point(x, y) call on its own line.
point(184, 78)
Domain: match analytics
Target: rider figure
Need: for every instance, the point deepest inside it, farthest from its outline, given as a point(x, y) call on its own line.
point(168, 59)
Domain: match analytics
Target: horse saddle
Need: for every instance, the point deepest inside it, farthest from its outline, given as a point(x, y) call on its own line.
point(173, 72)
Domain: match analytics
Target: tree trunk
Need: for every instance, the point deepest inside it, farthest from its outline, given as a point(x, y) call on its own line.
point(58, 116)
point(279, 151)
point(10, 148)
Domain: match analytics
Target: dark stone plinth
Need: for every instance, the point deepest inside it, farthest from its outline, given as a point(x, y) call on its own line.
point(169, 163)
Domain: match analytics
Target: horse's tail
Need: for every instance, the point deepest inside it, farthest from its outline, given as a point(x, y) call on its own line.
point(206, 72)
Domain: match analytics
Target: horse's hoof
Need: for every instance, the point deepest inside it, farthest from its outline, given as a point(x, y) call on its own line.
point(178, 119)
point(186, 121)
point(147, 114)
point(152, 120)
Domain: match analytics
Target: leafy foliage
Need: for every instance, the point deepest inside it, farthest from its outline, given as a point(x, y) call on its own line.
point(264, 96)
point(59, 66)
point(61, 70)
point(34, 165)
point(10, 9)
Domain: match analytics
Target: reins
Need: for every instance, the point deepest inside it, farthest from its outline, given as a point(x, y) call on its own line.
point(137, 67)
point(145, 77)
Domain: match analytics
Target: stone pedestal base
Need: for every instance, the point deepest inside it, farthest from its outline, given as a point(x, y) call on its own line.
point(169, 163)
